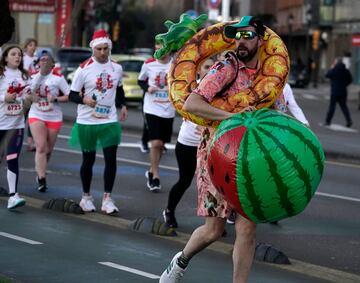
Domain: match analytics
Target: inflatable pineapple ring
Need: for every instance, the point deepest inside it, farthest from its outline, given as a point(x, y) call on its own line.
point(210, 41)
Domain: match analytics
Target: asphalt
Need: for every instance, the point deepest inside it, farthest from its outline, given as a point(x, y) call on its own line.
point(339, 144)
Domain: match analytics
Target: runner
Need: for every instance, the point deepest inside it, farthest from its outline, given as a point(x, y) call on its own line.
point(30, 59)
point(159, 113)
point(14, 94)
point(97, 87)
point(45, 116)
point(185, 151)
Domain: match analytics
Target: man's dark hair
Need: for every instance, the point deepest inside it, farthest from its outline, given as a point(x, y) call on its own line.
point(7, 23)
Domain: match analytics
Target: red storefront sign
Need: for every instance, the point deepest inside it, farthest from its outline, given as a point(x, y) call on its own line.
point(32, 6)
point(355, 40)
point(63, 23)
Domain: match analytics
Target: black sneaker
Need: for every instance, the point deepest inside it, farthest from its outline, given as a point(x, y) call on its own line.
point(144, 148)
point(155, 185)
point(41, 184)
point(149, 177)
point(231, 219)
point(169, 219)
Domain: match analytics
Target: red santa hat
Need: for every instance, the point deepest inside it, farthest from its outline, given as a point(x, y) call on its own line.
point(99, 37)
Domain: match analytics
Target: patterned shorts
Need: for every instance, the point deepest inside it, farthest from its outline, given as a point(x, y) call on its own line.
point(210, 201)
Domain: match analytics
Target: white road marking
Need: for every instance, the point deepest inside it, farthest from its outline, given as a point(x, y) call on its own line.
point(310, 96)
point(337, 196)
point(125, 144)
point(131, 270)
point(18, 238)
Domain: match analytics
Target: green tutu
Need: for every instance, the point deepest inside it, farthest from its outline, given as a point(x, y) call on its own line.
point(93, 137)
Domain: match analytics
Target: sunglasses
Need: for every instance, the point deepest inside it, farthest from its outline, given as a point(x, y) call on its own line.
point(246, 34)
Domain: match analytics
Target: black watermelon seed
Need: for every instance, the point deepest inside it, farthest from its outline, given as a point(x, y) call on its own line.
point(226, 149)
point(212, 170)
point(227, 178)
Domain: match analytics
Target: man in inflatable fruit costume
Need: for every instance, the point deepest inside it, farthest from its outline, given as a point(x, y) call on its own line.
point(224, 78)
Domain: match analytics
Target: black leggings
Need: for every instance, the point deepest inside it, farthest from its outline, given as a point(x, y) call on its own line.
point(186, 159)
point(109, 170)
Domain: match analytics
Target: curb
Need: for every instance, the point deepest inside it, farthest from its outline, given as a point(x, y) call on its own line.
point(317, 271)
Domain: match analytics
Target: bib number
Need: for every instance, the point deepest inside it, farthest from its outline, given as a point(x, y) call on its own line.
point(44, 105)
point(101, 111)
point(14, 109)
point(161, 95)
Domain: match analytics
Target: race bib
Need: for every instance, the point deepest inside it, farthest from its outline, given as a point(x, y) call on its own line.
point(162, 95)
point(102, 111)
point(44, 105)
point(14, 109)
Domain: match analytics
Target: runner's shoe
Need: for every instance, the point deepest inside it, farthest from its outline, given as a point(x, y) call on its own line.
point(232, 217)
point(155, 185)
point(87, 204)
point(41, 184)
point(169, 218)
point(15, 201)
point(144, 148)
point(173, 272)
point(149, 176)
point(108, 206)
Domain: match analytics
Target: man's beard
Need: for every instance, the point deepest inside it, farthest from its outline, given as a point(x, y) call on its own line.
point(247, 56)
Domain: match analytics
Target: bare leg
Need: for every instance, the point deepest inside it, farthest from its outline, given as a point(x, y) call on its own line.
point(155, 156)
point(244, 248)
point(39, 132)
point(205, 235)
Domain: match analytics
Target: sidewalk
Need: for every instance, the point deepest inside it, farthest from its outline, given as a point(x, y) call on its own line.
point(338, 142)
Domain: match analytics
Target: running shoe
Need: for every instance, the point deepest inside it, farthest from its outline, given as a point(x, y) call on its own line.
point(169, 219)
point(15, 201)
point(41, 184)
point(108, 206)
point(155, 185)
point(232, 217)
point(144, 148)
point(87, 204)
point(149, 176)
point(173, 272)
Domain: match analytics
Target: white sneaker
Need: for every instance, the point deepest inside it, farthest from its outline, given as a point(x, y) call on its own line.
point(87, 204)
point(15, 201)
point(173, 272)
point(108, 206)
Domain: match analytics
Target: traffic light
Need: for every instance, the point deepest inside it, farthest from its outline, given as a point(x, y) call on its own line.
point(116, 31)
point(315, 39)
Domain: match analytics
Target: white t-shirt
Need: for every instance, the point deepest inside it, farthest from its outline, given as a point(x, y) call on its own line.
point(12, 114)
point(44, 87)
point(188, 134)
point(157, 103)
point(291, 104)
point(29, 64)
point(97, 80)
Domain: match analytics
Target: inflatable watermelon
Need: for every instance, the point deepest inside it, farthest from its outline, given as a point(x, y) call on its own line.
point(266, 164)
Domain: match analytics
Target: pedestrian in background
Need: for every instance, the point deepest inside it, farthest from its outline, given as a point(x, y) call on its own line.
point(45, 115)
point(98, 91)
point(159, 113)
point(340, 79)
point(30, 60)
point(14, 95)
point(185, 151)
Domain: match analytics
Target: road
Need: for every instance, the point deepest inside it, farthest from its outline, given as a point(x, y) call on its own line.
point(323, 243)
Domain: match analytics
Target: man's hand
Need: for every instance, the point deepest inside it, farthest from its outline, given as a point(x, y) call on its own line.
point(123, 113)
point(89, 101)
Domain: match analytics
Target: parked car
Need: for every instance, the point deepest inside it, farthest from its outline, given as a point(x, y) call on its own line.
point(298, 76)
point(131, 66)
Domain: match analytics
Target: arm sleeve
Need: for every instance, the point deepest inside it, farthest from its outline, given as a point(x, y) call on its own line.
point(78, 81)
point(143, 76)
point(215, 80)
point(120, 97)
point(293, 107)
point(63, 86)
point(144, 85)
point(74, 96)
